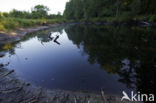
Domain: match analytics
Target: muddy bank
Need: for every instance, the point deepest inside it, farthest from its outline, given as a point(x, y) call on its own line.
point(14, 90)
point(6, 37)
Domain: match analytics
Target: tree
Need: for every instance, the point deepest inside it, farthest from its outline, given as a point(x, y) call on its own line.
point(1, 15)
point(19, 14)
point(126, 9)
point(5, 14)
point(40, 11)
point(68, 13)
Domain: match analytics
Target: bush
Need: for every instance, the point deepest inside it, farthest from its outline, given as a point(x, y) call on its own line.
point(152, 18)
point(2, 28)
point(8, 24)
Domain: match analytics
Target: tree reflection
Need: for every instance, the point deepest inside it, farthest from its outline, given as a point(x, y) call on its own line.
point(129, 52)
point(43, 37)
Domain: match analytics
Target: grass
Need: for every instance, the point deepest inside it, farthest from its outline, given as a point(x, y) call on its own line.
point(7, 24)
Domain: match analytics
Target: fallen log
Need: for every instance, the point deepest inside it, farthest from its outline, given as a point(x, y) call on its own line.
point(8, 73)
point(103, 96)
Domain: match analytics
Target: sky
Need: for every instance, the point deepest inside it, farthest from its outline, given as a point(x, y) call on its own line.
point(26, 5)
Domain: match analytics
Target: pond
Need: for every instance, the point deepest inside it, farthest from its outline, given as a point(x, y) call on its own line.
point(83, 57)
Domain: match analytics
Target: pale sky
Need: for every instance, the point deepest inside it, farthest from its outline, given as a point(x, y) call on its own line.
point(26, 5)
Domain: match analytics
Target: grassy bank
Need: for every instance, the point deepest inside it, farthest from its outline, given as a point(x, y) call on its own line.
point(9, 24)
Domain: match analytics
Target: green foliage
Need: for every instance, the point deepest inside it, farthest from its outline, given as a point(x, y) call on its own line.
point(123, 9)
point(148, 7)
point(152, 18)
point(2, 27)
point(14, 23)
point(38, 16)
point(18, 14)
point(40, 11)
point(8, 24)
point(1, 15)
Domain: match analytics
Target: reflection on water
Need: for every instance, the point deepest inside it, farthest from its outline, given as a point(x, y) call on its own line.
point(86, 57)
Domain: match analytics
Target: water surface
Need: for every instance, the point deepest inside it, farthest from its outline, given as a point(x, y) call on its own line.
point(85, 58)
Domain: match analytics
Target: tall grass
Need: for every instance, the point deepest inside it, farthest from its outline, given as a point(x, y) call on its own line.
point(7, 24)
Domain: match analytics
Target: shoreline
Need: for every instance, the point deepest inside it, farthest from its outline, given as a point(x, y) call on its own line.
point(11, 87)
point(18, 34)
point(139, 23)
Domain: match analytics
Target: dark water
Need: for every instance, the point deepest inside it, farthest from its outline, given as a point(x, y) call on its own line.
point(86, 58)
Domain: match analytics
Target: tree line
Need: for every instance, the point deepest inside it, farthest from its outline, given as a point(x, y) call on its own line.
point(87, 9)
point(37, 12)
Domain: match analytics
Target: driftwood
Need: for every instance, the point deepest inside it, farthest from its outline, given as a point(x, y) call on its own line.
point(10, 90)
point(8, 73)
point(30, 100)
point(103, 96)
